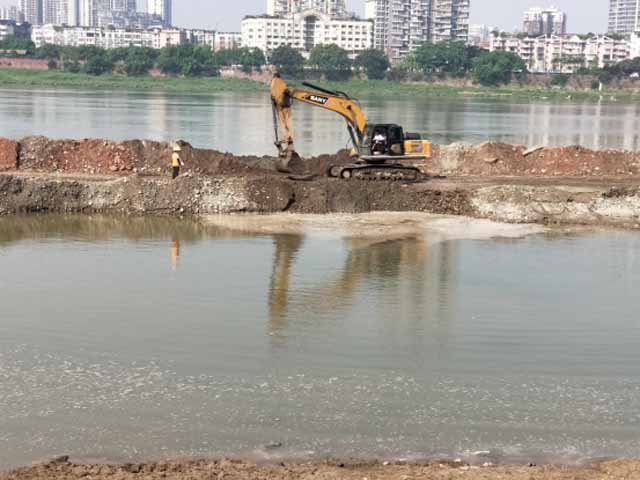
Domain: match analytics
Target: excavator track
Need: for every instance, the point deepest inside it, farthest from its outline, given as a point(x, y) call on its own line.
point(382, 172)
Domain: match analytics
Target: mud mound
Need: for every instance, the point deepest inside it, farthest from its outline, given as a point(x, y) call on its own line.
point(499, 159)
point(8, 154)
point(212, 162)
point(87, 156)
point(488, 159)
point(318, 165)
point(97, 156)
point(327, 470)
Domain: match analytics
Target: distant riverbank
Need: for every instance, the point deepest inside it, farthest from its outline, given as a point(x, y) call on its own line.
point(25, 78)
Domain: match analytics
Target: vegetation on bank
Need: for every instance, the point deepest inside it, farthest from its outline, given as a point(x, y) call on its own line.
point(25, 78)
point(430, 70)
point(58, 79)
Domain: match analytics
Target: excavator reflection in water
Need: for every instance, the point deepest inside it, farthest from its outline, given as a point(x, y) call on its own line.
point(406, 267)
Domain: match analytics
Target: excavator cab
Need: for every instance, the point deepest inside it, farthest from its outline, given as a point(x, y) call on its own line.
point(396, 143)
point(382, 140)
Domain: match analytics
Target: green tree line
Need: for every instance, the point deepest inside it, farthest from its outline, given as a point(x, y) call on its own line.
point(186, 60)
point(445, 59)
point(428, 61)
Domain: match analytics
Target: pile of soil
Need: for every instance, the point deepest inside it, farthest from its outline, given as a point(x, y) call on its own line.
point(488, 159)
point(96, 156)
point(498, 159)
point(8, 155)
point(196, 470)
point(86, 156)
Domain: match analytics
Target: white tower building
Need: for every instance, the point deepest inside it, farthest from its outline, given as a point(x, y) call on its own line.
point(162, 8)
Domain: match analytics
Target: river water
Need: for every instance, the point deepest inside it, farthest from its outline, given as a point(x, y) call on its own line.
point(143, 338)
point(129, 339)
point(242, 122)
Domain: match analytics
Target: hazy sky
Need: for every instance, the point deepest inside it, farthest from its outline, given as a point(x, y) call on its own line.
point(584, 15)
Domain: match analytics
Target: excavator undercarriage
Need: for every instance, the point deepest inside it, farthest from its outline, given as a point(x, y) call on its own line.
point(367, 171)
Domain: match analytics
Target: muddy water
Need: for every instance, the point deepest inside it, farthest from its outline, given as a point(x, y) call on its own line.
point(242, 122)
point(137, 338)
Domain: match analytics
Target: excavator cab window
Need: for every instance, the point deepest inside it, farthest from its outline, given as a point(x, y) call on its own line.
point(396, 140)
point(380, 141)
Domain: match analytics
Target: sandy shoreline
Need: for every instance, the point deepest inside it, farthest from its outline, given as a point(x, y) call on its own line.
point(208, 469)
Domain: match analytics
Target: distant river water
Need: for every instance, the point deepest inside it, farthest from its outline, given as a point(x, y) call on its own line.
point(242, 122)
point(134, 339)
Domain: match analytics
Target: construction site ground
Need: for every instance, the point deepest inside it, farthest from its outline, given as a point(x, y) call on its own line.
point(602, 201)
point(506, 183)
point(228, 469)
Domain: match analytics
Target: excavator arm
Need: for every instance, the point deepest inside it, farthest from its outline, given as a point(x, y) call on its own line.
point(283, 96)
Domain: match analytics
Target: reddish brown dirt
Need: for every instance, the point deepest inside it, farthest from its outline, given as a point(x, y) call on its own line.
point(8, 155)
point(499, 159)
point(489, 159)
point(30, 63)
point(232, 470)
point(88, 156)
point(96, 156)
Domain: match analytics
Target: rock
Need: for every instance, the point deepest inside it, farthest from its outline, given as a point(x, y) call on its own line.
point(59, 460)
point(528, 152)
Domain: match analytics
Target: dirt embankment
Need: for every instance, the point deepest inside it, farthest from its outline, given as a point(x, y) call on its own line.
point(201, 470)
point(488, 159)
point(490, 180)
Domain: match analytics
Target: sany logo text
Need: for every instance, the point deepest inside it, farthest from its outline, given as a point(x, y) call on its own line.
point(318, 99)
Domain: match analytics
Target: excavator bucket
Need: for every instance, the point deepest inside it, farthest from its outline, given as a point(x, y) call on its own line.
point(290, 162)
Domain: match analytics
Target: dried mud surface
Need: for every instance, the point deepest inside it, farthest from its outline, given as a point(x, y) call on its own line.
point(228, 469)
point(506, 183)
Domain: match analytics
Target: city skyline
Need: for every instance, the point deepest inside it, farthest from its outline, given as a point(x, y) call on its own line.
point(195, 13)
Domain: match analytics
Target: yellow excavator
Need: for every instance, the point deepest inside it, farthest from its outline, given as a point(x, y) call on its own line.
point(379, 148)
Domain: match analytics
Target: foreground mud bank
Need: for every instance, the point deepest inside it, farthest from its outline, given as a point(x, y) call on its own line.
point(602, 202)
point(495, 181)
point(196, 470)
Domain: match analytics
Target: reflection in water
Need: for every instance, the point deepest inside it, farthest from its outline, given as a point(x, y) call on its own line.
point(286, 250)
point(103, 228)
point(175, 254)
point(418, 275)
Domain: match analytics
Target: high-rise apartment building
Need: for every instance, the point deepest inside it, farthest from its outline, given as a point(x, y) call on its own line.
point(450, 20)
point(12, 13)
point(32, 11)
point(624, 16)
point(55, 11)
point(114, 12)
point(87, 13)
point(73, 12)
point(402, 25)
point(276, 8)
point(479, 35)
point(162, 9)
point(544, 21)
point(305, 24)
point(333, 8)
